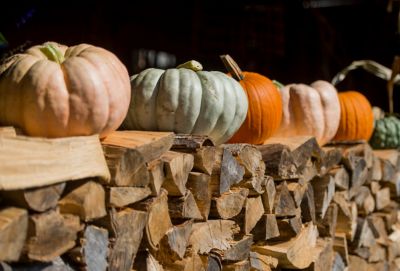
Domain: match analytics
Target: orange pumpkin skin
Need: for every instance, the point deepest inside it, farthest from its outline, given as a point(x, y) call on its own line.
point(265, 110)
point(356, 117)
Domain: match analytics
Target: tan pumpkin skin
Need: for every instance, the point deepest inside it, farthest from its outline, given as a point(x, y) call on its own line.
point(357, 117)
point(310, 111)
point(86, 94)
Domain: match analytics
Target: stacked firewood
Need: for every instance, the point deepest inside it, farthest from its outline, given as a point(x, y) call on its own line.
point(157, 201)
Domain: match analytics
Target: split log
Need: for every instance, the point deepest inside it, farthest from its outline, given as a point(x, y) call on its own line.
point(365, 201)
point(327, 224)
point(127, 153)
point(37, 199)
point(376, 169)
point(284, 204)
point(158, 219)
point(378, 226)
point(340, 246)
point(279, 162)
point(91, 254)
point(392, 156)
point(297, 190)
point(347, 216)
point(13, 232)
point(382, 198)
point(86, 201)
point(323, 256)
point(268, 196)
point(204, 159)
point(51, 234)
point(261, 262)
point(297, 253)
point(128, 226)
point(338, 264)
point(192, 262)
point(238, 266)
point(341, 178)
point(365, 236)
point(184, 207)
point(27, 162)
point(251, 213)
point(199, 185)
point(394, 185)
point(359, 175)
point(146, 262)
point(362, 150)
point(266, 228)
point(249, 157)
point(229, 204)
point(188, 141)
point(324, 189)
point(123, 196)
point(156, 176)
point(212, 234)
point(356, 263)
point(177, 167)
point(239, 250)
point(308, 205)
point(330, 159)
point(377, 253)
point(174, 243)
point(288, 228)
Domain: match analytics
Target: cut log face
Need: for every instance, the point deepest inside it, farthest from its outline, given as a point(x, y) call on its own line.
point(331, 158)
point(238, 266)
point(239, 250)
point(229, 204)
point(261, 262)
point(347, 216)
point(253, 212)
point(199, 185)
point(324, 189)
point(382, 198)
point(184, 207)
point(364, 200)
point(284, 204)
point(204, 160)
point(157, 176)
point(279, 162)
point(123, 196)
point(173, 245)
point(231, 172)
point(128, 226)
point(340, 246)
point(341, 178)
point(177, 167)
point(213, 234)
point(87, 201)
point(145, 261)
point(266, 228)
point(327, 224)
point(37, 199)
point(92, 252)
point(268, 196)
point(307, 205)
point(296, 253)
point(248, 156)
point(51, 234)
point(288, 228)
point(28, 162)
point(323, 255)
point(158, 219)
point(13, 232)
point(192, 262)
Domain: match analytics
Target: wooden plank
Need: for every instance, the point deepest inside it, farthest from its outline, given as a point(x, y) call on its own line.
point(27, 162)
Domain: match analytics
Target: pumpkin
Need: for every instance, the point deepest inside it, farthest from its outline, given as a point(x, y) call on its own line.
point(265, 105)
point(356, 118)
point(52, 90)
point(310, 111)
point(187, 100)
point(386, 134)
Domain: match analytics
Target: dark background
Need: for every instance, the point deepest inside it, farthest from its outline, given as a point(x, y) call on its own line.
point(292, 41)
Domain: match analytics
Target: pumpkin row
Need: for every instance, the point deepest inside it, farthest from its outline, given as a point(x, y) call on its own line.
point(52, 90)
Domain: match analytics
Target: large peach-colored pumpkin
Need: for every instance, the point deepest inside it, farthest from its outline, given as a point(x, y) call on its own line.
point(52, 90)
point(310, 111)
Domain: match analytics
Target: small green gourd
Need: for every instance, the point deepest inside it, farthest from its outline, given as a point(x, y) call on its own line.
point(386, 133)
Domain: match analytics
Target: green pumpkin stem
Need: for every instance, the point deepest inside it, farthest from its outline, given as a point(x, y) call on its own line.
point(278, 84)
point(192, 65)
point(232, 67)
point(52, 53)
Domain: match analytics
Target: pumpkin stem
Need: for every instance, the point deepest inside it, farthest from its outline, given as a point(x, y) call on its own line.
point(232, 67)
point(278, 84)
point(52, 53)
point(390, 83)
point(192, 65)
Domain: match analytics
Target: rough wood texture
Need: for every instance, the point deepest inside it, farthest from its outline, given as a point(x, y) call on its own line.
point(365, 201)
point(248, 156)
point(324, 189)
point(284, 204)
point(341, 178)
point(13, 232)
point(239, 250)
point(86, 201)
point(174, 243)
point(323, 256)
point(123, 196)
point(192, 262)
point(279, 162)
point(128, 226)
point(37, 199)
point(331, 158)
point(156, 175)
point(307, 205)
point(347, 216)
point(177, 167)
point(297, 253)
point(340, 246)
point(231, 171)
point(158, 220)
point(127, 153)
point(238, 266)
point(288, 228)
point(51, 234)
point(268, 196)
point(266, 228)
point(27, 162)
point(145, 261)
point(252, 212)
point(91, 253)
point(184, 207)
point(261, 262)
point(229, 204)
point(382, 198)
point(185, 141)
point(213, 234)
point(199, 185)
point(327, 224)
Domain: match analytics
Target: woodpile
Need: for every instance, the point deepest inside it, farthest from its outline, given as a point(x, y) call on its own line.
point(152, 201)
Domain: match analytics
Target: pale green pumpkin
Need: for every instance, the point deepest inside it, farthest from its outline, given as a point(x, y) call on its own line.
point(187, 100)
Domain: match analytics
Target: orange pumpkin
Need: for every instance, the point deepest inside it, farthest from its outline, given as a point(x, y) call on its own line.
point(356, 117)
point(265, 105)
